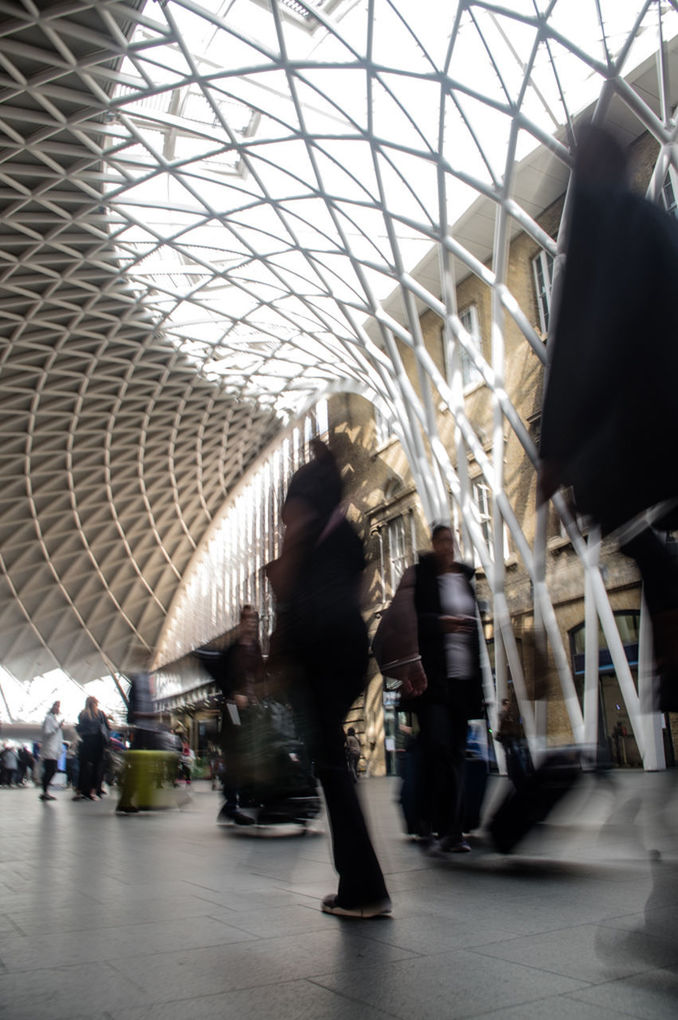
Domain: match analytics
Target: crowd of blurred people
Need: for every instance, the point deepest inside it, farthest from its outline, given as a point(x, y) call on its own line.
point(16, 765)
point(94, 758)
point(280, 715)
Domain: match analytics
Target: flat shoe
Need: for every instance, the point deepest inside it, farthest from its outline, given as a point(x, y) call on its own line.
point(380, 908)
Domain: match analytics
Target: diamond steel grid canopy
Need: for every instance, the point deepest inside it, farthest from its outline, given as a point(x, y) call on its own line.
point(213, 212)
point(116, 450)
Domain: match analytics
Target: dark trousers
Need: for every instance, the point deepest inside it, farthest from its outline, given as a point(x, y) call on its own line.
point(443, 729)
point(332, 681)
point(49, 767)
point(91, 759)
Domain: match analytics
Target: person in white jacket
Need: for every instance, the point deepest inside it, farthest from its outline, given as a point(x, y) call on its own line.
point(50, 749)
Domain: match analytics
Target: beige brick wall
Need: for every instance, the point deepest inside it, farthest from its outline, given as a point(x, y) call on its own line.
point(380, 483)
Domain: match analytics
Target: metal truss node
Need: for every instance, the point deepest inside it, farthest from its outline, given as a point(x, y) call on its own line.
point(212, 214)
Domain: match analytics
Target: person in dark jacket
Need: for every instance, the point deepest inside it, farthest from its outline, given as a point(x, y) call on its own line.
point(94, 732)
point(447, 631)
point(239, 674)
point(609, 415)
point(323, 641)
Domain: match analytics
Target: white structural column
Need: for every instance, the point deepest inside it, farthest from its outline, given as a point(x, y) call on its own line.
point(198, 249)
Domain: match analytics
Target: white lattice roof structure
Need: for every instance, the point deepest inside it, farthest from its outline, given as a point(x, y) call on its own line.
point(212, 211)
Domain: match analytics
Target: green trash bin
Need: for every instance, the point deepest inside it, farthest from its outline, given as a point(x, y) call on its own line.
point(148, 780)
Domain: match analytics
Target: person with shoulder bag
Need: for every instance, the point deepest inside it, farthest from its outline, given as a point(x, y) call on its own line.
point(94, 733)
point(429, 641)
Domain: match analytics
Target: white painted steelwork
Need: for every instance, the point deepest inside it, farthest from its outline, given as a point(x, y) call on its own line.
point(212, 213)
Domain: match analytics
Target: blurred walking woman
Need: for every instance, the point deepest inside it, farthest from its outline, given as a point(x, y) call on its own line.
point(317, 582)
point(94, 736)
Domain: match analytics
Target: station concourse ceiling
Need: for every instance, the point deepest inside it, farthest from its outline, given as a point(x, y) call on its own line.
point(206, 209)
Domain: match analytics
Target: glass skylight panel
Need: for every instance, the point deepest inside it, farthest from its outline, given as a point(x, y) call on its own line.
point(284, 152)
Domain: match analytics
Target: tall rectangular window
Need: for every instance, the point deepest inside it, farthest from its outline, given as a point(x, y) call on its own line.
point(397, 549)
point(471, 323)
point(542, 271)
point(482, 497)
point(382, 428)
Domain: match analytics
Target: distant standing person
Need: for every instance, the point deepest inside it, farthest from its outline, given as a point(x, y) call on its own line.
point(510, 735)
point(25, 764)
point(51, 747)
point(10, 764)
point(352, 751)
point(187, 762)
point(94, 736)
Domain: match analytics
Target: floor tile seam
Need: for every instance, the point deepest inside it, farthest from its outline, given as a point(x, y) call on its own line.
point(99, 926)
point(18, 930)
point(369, 923)
point(496, 1014)
point(349, 998)
point(193, 999)
point(239, 927)
point(478, 951)
point(274, 982)
point(252, 938)
point(220, 891)
point(539, 932)
point(239, 909)
point(452, 949)
point(574, 996)
point(138, 955)
point(607, 922)
point(659, 942)
point(123, 976)
point(116, 974)
point(62, 967)
point(468, 1015)
point(276, 882)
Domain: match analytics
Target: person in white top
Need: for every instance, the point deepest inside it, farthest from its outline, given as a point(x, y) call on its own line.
point(50, 748)
point(441, 663)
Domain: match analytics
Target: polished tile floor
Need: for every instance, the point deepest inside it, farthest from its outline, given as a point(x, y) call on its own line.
point(167, 916)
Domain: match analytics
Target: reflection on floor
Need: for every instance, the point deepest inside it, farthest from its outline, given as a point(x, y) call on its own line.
point(168, 916)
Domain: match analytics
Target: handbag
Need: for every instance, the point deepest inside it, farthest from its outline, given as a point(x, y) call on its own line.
point(395, 644)
point(104, 731)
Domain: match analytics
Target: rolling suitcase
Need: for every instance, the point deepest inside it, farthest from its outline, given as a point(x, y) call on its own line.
point(475, 784)
point(411, 767)
point(528, 804)
point(413, 792)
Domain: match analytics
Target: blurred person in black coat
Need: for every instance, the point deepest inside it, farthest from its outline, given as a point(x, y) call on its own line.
point(239, 674)
point(609, 414)
point(322, 638)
